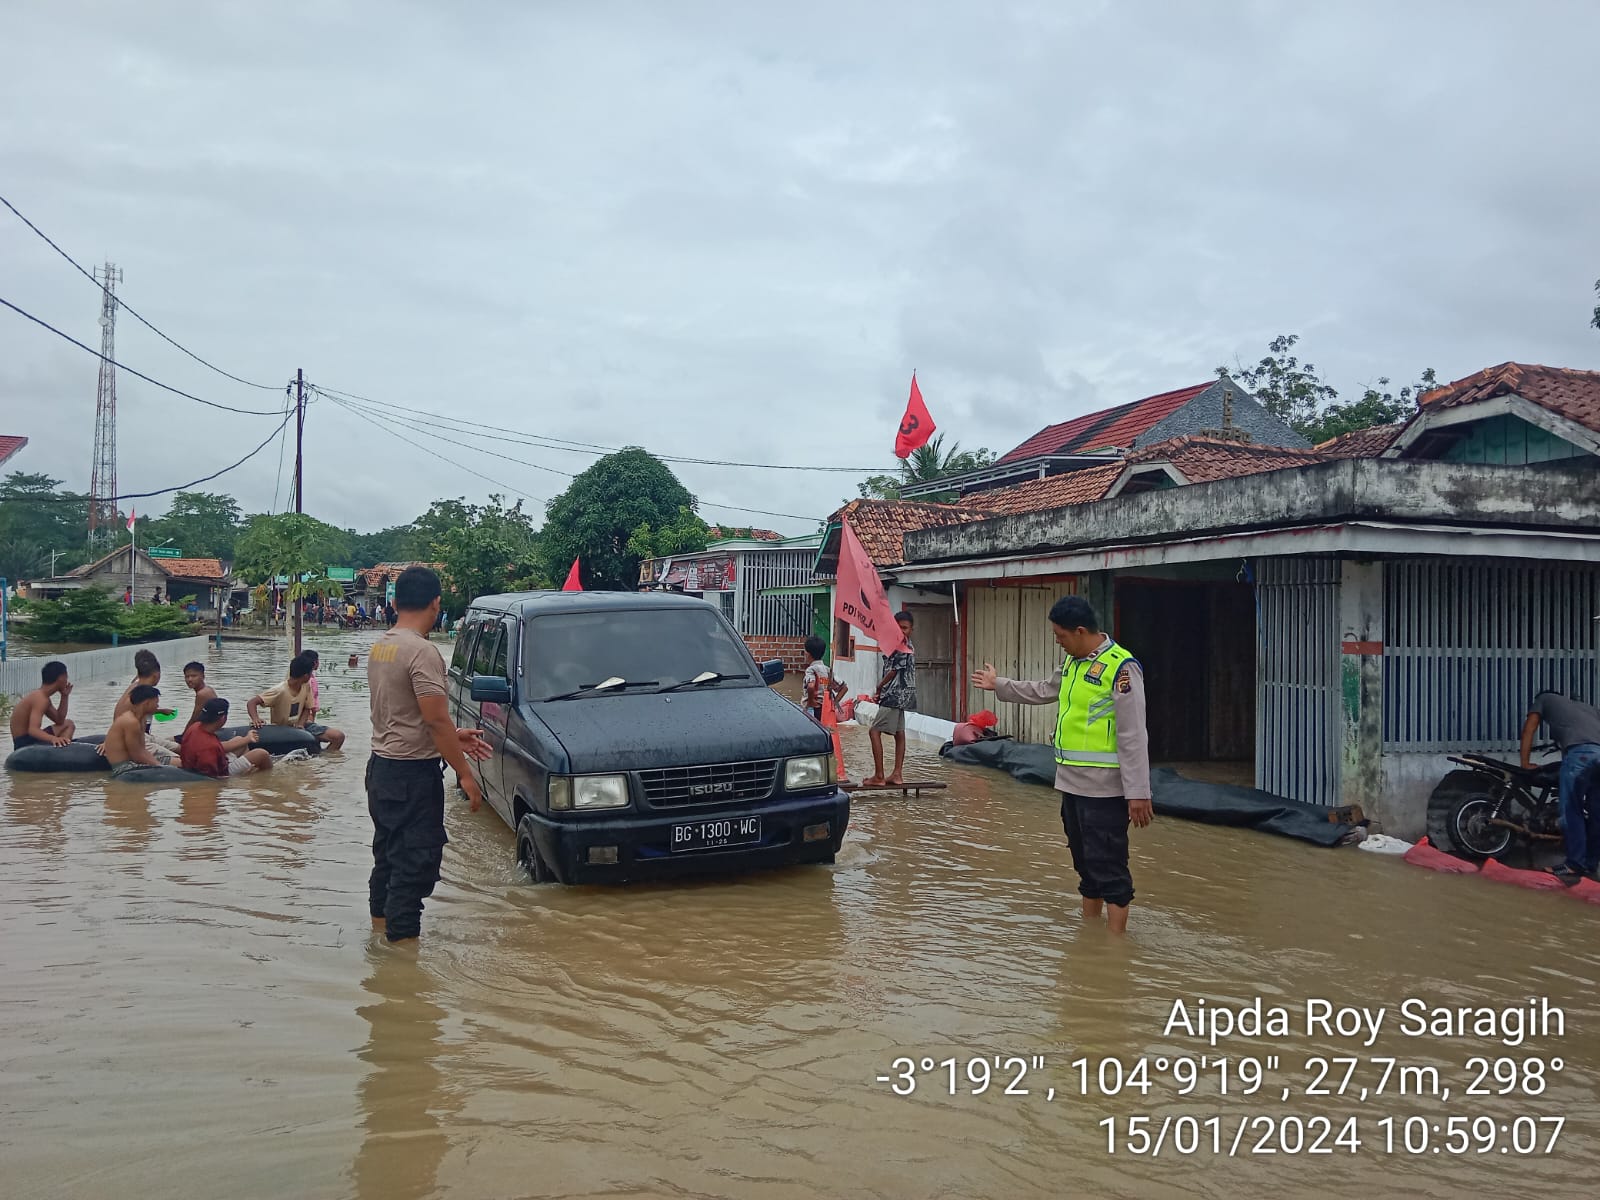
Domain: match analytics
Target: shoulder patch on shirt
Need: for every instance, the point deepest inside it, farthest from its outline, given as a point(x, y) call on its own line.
point(1124, 680)
point(1095, 671)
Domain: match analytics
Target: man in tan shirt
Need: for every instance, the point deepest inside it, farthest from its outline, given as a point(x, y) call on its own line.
point(412, 739)
point(1102, 752)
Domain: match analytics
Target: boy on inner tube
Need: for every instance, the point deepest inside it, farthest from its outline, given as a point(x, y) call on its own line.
point(45, 703)
point(207, 754)
point(124, 746)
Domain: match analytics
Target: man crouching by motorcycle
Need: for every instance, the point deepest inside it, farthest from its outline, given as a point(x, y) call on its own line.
point(1575, 727)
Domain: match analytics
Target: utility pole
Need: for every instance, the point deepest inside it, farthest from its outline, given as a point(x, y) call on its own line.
point(299, 478)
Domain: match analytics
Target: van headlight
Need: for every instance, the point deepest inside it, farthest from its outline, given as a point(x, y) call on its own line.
point(569, 792)
point(813, 771)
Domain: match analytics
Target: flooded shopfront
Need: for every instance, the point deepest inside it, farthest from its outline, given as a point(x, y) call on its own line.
point(193, 1005)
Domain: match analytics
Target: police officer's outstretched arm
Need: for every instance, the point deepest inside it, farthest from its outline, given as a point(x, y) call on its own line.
point(436, 712)
point(1016, 691)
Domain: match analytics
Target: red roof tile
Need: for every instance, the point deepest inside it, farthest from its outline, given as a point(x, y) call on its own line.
point(192, 568)
point(1200, 459)
point(718, 534)
point(380, 575)
point(1110, 427)
point(9, 445)
point(1361, 443)
point(1569, 393)
point(882, 524)
point(1054, 491)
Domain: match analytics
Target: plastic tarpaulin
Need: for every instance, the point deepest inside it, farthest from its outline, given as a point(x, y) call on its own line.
point(1174, 796)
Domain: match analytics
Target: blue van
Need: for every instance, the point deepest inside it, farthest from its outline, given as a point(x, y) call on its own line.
point(636, 738)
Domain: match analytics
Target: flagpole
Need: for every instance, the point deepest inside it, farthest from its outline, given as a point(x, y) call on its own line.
point(133, 554)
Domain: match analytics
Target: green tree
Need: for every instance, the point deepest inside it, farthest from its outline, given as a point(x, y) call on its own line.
point(397, 543)
point(296, 546)
point(36, 517)
point(928, 462)
point(1373, 408)
point(600, 511)
point(1287, 388)
point(490, 549)
point(1293, 392)
point(201, 524)
point(1595, 320)
point(685, 534)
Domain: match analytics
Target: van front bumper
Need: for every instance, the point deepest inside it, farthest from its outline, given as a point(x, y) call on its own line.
point(643, 840)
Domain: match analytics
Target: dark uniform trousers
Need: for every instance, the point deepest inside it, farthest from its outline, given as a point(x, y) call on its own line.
point(1097, 835)
point(405, 798)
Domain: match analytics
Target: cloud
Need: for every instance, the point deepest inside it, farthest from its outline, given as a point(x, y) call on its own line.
point(732, 231)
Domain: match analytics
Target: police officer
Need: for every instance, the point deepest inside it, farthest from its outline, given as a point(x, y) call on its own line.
point(412, 740)
point(1102, 752)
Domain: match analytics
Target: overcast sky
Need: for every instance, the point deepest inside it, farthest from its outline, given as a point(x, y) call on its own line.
point(732, 230)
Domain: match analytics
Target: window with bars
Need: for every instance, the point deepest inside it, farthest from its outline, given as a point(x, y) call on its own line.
point(1467, 645)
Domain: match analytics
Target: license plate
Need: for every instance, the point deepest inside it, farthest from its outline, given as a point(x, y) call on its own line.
point(713, 835)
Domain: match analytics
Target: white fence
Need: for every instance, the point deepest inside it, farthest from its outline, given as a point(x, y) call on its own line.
point(19, 676)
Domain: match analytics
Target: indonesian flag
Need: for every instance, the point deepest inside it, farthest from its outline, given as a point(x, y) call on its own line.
point(573, 583)
point(858, 596)
point(132, 517)
point(917, 426)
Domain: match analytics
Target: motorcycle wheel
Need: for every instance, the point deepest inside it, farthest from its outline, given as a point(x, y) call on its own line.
point(1458, 813)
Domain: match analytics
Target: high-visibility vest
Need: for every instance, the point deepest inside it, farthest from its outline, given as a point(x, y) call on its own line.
point(1086, 725)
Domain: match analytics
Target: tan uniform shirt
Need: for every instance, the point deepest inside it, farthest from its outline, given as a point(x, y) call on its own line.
point(401, 666)
point(1133, 739)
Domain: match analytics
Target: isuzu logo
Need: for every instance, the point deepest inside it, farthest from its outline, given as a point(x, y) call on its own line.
point(709, 789)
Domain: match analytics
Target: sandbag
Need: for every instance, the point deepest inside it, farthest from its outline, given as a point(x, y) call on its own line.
point(77, 756)
point(163, 775)
point(1172, 795)
point(1586, 890)
point(1426, 854)
point(1539, 881)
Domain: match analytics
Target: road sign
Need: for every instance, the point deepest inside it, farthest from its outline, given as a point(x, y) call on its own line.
point(342, 574)
point(164, 552)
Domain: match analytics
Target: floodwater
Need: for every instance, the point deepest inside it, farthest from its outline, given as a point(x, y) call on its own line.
point(192, 1004)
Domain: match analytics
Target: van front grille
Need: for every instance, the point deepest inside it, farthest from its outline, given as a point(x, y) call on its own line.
point(719, 783)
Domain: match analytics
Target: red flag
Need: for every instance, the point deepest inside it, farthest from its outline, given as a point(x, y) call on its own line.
point(858, 596)
point(132, 517)
point(916, 427)
point(573, 583)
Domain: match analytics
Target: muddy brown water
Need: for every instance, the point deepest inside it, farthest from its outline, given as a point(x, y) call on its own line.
point(192, 1004)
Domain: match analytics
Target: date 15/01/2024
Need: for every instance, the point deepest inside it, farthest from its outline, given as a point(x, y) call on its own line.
point(1249, 1136)
point(1357, 1078)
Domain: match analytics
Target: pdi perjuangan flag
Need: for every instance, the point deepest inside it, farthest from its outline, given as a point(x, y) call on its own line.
point(916, 427)
point(858, 596)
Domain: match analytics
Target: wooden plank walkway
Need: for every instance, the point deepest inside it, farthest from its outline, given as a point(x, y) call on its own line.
point(911, 787)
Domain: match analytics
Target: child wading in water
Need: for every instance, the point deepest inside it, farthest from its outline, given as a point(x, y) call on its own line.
point(897, 694)
point(819, 680)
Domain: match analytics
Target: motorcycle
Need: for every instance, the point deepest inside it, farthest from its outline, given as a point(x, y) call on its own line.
point(1493, 805)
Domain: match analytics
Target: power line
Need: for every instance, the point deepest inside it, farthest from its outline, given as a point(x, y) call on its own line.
point(283, 440)
point(435, 454)
point(178, 487)
point(555, 443)
point(267, 387)
point(166, 387)
point(479, 449)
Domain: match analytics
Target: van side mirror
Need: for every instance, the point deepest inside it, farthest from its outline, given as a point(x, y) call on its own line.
point(491, 689)
point(772, 671)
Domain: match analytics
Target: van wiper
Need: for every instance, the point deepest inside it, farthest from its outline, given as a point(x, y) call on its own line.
point(614, 684)
point(703, 677)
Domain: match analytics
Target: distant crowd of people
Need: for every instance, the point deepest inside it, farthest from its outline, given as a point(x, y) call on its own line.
point(40, 719)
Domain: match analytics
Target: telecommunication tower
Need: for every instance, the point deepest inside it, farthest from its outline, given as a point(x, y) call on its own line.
point(103, 475)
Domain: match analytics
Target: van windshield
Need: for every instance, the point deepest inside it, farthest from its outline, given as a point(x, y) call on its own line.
point(568, 651)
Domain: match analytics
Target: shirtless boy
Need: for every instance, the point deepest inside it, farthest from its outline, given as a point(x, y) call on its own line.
point(148, 669)
point(124, 746)
point(40, 719)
